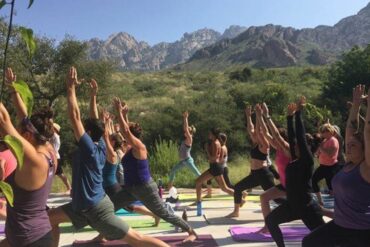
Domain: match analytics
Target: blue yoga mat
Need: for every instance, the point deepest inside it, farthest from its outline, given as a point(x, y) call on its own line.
point(123, 212)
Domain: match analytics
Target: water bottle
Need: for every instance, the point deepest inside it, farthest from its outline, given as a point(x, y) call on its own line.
point(160, 188)
point(199, 208)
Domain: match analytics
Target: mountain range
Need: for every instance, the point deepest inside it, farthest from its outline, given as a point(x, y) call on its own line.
point(263, 46)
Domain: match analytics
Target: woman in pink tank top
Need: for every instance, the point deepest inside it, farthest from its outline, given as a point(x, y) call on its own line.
point(328, 159)
point(278, 140)
point(8, 163)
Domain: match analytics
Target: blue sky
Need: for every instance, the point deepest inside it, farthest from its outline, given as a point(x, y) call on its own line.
point(154, 21)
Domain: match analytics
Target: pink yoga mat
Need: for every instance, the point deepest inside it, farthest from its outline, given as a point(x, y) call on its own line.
point(173, 241)
point(291, 234)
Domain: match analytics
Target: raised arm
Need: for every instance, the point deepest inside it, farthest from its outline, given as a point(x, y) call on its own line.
point(291, 132)
point(73, 109)
point(19, 105)
point(263, 138)
point(94, 114)
point(125, 128)
point(250, 126)
point(189, 138)
point(354, 114)
point(32, 158)
point(111, 154)
point(304, 150)
point(279, 141)
point(367, 133)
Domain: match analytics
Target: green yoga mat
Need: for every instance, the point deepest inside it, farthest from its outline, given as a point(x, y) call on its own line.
point(192, 197)
point(141, 225)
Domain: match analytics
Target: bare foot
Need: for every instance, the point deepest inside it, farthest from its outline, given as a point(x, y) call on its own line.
point(233, 215)
point(191, 238)
point(156, 221)
point(263, 230)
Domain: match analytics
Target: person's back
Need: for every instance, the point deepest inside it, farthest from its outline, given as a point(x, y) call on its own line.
point(28, 220)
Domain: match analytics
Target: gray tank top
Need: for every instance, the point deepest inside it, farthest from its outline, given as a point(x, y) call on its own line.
point(184, 151)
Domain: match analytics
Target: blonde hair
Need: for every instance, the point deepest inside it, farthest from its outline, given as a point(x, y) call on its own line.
point(327, 128)
point(192, 129)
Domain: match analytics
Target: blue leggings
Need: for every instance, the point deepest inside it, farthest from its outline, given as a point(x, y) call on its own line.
point(189, 162)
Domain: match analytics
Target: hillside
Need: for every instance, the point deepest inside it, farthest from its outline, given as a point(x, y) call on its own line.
point(277, 46)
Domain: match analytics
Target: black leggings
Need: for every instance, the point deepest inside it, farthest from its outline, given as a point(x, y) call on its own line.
point(45, 241)
point(310, 215)
point(274, 172)
point(331, 235)
point(323, 172)
point(262, 176)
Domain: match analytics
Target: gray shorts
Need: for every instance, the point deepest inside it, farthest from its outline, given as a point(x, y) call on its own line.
point(100, 217)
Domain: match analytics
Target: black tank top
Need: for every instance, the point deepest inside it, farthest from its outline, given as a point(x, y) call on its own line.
point(257, 154)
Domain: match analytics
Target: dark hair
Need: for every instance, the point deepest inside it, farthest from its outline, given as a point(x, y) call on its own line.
point(283, 133)
point(42, 121)
point(223, 138)
point(95, 127)
point(314, 141)
point(136, 129)
point(118, 141)
point(216, 132)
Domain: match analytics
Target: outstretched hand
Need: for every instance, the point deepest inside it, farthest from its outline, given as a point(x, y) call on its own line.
point(10, 78)
point(93, 87)
point(265, 109)
point(358, 94)
point(185, 114)
point(292, 108)
point(301, 103)
point(117, 104)
point(72, 79)
point(258, 109)
point(248, 111)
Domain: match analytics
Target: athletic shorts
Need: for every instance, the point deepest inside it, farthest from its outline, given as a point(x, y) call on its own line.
point(216, 169)
point(100, 217)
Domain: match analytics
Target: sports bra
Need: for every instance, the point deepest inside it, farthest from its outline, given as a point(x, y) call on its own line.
point(257, 154)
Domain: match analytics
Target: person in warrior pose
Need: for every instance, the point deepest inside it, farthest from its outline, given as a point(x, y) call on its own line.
point(214, 152)
point(260, 173)
point(184, 152)
point(351, 185)
point(139, 184)
point(90, 205)
point(299, 203)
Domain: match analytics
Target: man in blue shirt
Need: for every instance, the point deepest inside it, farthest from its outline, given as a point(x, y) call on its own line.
point(90, 205)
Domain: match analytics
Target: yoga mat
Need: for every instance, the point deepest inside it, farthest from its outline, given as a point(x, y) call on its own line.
point(123, 212)
point(173, 241)
point(192, 197)
point(140, 225)
point(2, 230)
point(248, 234)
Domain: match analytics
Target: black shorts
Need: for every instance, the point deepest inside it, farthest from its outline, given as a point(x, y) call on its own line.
point(59, 167)
point(216, 169)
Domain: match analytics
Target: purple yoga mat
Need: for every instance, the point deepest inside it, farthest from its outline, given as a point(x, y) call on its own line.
point(2, 230)
point(291, 233)
point(173, 241)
